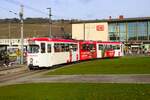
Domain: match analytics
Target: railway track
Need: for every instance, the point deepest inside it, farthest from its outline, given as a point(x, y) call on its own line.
point(19, 75)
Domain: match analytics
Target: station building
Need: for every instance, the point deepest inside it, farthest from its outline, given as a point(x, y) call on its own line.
point(133, 32)
point(90, 31)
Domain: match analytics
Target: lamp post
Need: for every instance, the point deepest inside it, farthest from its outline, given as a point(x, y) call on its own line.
point(22, 39)
point(50, 22)
point(9, 27)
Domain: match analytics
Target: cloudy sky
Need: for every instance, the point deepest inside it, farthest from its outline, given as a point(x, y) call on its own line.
point(77, 9)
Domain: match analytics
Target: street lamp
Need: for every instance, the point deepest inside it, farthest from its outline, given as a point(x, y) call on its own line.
point(22, 39)
point(13, 12)
point(9, 26)
point(50, 22)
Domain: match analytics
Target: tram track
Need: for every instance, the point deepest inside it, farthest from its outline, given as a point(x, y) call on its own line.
point(18, 75)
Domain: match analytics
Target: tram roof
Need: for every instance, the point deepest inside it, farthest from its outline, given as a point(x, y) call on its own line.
point(52, 39)
point(71, 40)
point(108, 42)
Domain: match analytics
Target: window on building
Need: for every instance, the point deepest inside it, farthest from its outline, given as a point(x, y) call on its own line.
point(132, 31)
point(122, 31)
point(149, 29)
point(114, 32)
point(142, 30)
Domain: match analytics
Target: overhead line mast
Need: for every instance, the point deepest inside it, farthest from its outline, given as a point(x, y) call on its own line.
point(22, 39)
point(50, 23)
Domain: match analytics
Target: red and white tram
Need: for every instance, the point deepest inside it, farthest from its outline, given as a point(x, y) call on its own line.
point(47, 52)
point(87, 50)
point(109, 49)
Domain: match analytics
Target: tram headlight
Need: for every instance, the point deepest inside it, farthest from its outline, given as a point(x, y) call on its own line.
point(31, 60)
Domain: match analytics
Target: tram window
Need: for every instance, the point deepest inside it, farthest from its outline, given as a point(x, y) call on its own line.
point(66, 47)
point(33, 49)
point(109, 47)
point(121, 46)
point(91, 47)
point(62, 47)
point(59, 47)
point(101, 47)
point(74, 47)
point(49, 48)
point(42, 47)
point(56, 47)
point(118, 47)
point(84, 47)
point(114, 47)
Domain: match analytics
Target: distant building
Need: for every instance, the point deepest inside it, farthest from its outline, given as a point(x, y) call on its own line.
point(133, 32)
point(129, 29)
point(90, 31)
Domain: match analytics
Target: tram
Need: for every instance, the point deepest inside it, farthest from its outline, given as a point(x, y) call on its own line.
point(109, 49)
point(87, 50)
point(47, 52)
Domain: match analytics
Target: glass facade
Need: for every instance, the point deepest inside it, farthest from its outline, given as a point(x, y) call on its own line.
point(128, 31)
point(149, 30)
point(132, 31)
point(142, 30)
point(113, 32)
point(122, 31)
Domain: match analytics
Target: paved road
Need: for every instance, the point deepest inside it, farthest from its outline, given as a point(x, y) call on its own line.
point(39, 77)
point(91, 79)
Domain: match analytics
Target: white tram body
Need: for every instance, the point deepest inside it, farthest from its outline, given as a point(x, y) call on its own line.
point(46, 52)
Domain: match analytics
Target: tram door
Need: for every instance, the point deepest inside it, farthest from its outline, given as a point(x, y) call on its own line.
point(45, 55)
point(49, 54)
point(100, 50)
point(73, 53)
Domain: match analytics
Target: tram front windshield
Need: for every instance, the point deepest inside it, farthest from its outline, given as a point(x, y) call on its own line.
point(33, 49)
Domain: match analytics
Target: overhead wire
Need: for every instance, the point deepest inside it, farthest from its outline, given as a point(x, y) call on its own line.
point(26, 6)
point(18, 3)
point(8, 10)
point(4, 8)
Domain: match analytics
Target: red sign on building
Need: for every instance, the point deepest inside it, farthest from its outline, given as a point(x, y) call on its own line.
point(100, 27)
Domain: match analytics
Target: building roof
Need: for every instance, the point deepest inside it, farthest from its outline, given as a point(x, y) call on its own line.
point(113, 20)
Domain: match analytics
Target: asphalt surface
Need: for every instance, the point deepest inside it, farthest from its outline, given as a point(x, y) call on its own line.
point(89, 79)
point(38, 77)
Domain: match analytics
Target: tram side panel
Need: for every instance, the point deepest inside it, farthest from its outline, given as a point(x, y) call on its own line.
point(109, 49)
point(48, 53)
point(87, 50)
point(65, 53)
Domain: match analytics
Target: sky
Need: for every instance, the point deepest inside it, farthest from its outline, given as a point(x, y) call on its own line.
point(76, 9)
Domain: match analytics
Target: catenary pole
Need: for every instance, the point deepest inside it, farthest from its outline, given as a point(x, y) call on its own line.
point(50, 23)
point(22, 39)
